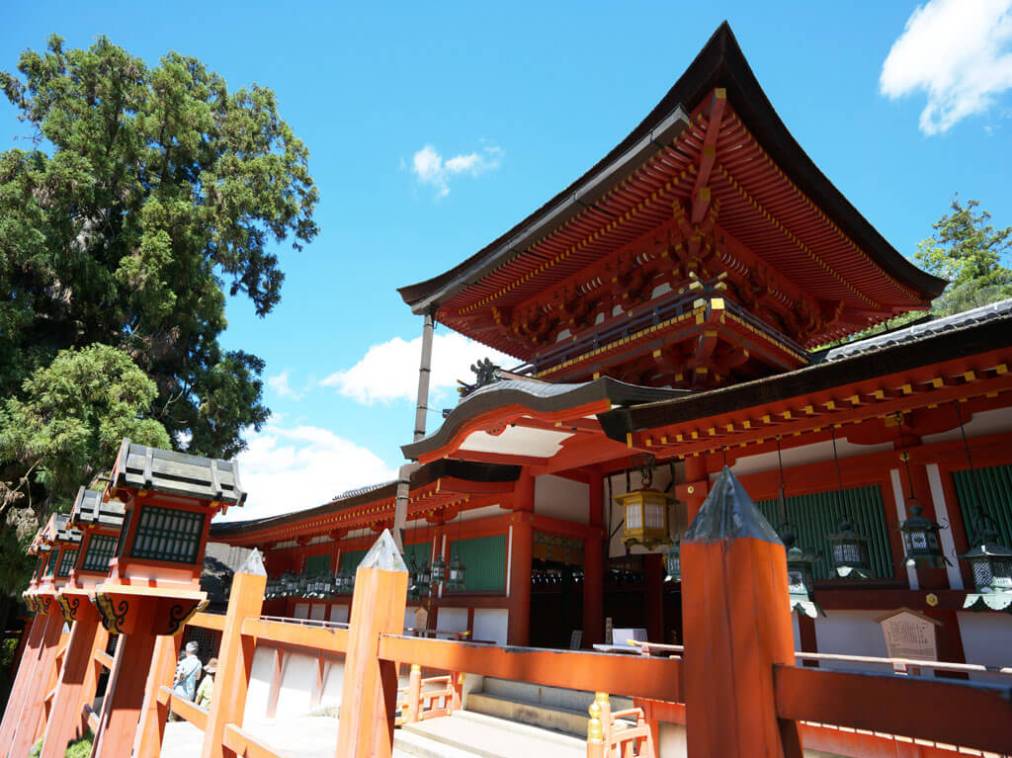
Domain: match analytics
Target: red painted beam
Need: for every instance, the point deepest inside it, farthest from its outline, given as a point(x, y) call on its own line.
point(968, 715)
point(630, 675)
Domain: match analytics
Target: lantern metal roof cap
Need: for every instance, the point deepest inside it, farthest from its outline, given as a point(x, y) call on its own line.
point(916, 522)
point(90, 507)
point(988, 547)
point(150, 468)
point(728, 513)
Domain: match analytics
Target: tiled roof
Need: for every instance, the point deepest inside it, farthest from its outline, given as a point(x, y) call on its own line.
point(985, 313)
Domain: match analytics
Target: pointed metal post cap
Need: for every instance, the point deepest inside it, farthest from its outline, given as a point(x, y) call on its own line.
point(254, 564)
point(384, 555)
point(728, 513)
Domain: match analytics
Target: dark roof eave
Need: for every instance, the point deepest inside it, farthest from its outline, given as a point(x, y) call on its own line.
point(604, 388)
point(483, 472)
point(956, 343)
point(720, 63)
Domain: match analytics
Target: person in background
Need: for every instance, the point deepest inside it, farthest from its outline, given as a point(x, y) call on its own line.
point(185, 684)
point(207, 684)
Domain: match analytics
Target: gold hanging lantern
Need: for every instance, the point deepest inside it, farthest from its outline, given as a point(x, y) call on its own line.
point(646, 514)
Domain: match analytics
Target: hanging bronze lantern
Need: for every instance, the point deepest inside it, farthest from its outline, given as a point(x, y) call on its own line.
point(673, 562)
point(800, 577)
point(991, 562)
point(920, 540)
point(850, 552)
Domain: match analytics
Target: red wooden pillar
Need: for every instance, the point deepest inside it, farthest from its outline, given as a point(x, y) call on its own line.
point(369, 697)
point(593, 567)
point(693, 491)
point(521, 555)
point(653, 569)
point(77, 682)
point(124, 698)
point(33, 705)
point(151, 730)
point(737, 626)
point(22, 681)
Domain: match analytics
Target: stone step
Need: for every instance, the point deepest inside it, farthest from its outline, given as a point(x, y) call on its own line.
point(474, 734)
point(562, 720)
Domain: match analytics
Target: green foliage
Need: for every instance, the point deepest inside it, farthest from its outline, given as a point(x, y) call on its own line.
point(80, 748)
point(967, 250)
point(149, 191)
point(73, 413)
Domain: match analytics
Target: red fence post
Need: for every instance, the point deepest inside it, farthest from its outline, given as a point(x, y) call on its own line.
point(235, 654)
point(32, 708)
point(737, 622)
point(369, 697)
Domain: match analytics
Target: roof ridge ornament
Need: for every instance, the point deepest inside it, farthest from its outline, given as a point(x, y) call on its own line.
point(485, 373)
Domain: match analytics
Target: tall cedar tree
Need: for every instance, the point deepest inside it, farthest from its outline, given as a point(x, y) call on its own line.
point(147, 192)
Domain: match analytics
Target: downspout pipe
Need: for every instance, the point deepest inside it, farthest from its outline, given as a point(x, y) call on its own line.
point(421, 411)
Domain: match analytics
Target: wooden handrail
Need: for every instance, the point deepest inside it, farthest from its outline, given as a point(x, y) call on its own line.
point(331, 639)
point(953, 712)
point(939, 665)
point(633, 676)
point(105, 659)
point(185, 709)
point(242, 743)
point(215, 621)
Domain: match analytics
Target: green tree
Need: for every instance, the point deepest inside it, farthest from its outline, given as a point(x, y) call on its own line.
point(149, 191)
point(71, 417)
point(146, 194)
point(967, 250)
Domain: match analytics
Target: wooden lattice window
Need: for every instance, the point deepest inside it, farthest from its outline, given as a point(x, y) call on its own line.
point(165, 534)
point(101, 549)
point(67, 561)
point(317, 564)
point(484, 560)
point(987, 490)
point(814, 517)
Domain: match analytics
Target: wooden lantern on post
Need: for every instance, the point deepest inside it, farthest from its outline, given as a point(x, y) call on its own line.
point(57, 544)
point(168, 500)
point(99, 522)
point(153, 586)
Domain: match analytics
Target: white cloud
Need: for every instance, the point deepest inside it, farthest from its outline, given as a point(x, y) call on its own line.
point(279, 383)
point(430, 168)
point(288, 469)
point(959, 52)
point(389, 371)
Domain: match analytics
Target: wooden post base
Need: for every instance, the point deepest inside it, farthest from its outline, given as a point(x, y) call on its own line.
point(124, 697)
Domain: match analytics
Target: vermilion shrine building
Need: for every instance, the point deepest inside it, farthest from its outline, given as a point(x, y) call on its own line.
point(668, 311)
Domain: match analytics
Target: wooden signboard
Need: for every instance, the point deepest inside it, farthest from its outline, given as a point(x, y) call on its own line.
point(909, 634)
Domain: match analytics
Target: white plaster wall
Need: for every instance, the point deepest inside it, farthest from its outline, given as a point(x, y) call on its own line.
point(983, 423)
point(987, 639)
point(301, 611)
point(452, 620)
point(296, 686)
point(259, 684)
point(491, 624)
point(796, 628)
point(561, 498)
point(332, 686)
point(318, 611)
point(339, 613)
point(851, 633)
point(673, 741)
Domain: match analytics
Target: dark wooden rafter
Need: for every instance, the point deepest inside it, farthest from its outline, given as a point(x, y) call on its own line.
point(701, 195)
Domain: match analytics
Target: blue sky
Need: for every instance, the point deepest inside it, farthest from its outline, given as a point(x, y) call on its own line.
point(435, 127)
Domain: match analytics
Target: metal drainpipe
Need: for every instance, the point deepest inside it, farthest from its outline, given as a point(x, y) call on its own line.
point(421, 409)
